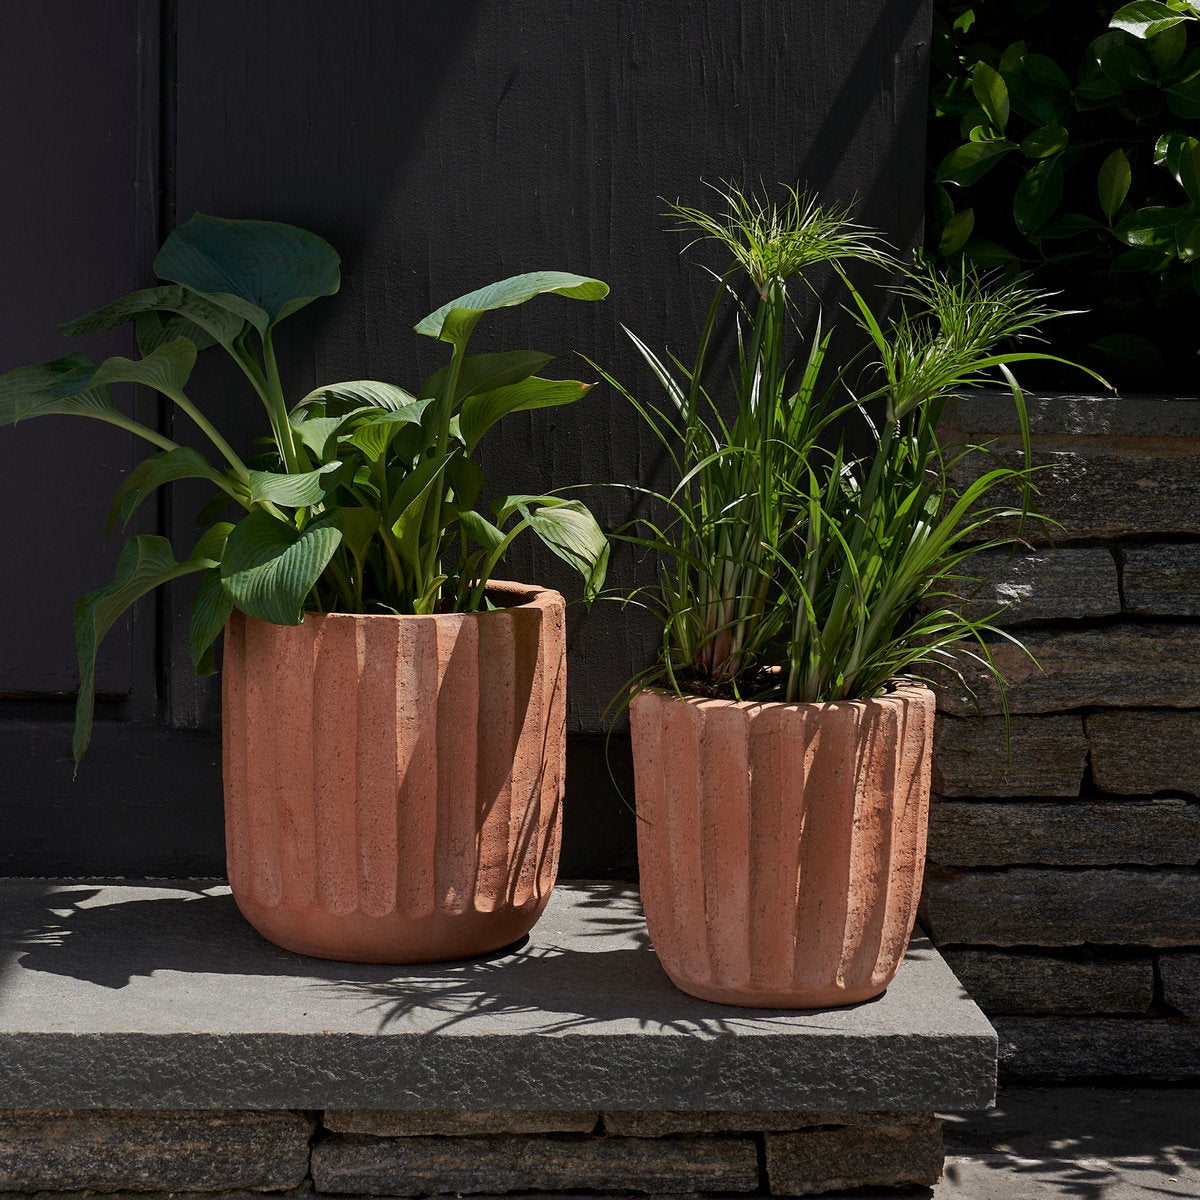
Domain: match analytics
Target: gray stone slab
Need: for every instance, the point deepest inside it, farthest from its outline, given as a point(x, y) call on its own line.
point(1115, 666)
point(980, 833)
point(152, 1151)
point(663, 1124)
point(1001, 983)
point(1048, 907)
point(822, 1160)
point(1078, 415)
point(454, 1123)
point(161, 996)
point(1042, 756)
point(1014, 588)
point(1065, 1048)
point(1140, 752)
point(1181, 982)
point(416, 1166)
point(1162, 580)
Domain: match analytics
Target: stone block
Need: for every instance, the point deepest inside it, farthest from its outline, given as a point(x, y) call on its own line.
point(981, 833)
point(1051, 1049)
point(1181, 982)
point(1139, 752)
point(1116, 666)
point(1038, 585)
point(1069, 414)
point(821, 1160)
point(1162, 580)
point(414, 1166)
point(1046, 907)
point(148, 1151)
point(1003, 983)
point(972, 758)
point(663, 1124)
point(451, 1122)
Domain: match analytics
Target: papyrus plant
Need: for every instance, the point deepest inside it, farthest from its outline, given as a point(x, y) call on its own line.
point(366, 500)
point(790, 565)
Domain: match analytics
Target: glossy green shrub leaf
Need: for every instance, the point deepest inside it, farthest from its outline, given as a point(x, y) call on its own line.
point(507, 292)
point(1044, 70)
point(1149, 228)
point(1166, 150)
point(272, 268)
point(297, 489)
point(1097, 93)
point(955, 232)
point(1037, 104)
point(1128, 352)
point(1145, 18)
point(980, 252)
point(1187, 168)
point(968, 164)
point(1126, 67)
point(991, 92)
point(481, 412)
point(1067, 225)
point(1184, 99)
point(1187, 240)
point(1041, 143)
point(1112, 183)
point(1166, 48)
point(145, 562)
point(211, 609)
point(269, 567)
point(151, 473)
point(1037, 195)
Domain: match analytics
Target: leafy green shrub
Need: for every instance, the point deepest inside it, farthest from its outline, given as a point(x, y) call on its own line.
point(1068, 147)
point(366, 501)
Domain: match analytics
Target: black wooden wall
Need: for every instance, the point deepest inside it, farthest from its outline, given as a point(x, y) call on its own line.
point(438, 147)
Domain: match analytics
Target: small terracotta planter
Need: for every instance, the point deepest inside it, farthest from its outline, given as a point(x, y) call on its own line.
point(781, 846)
point(393, 784)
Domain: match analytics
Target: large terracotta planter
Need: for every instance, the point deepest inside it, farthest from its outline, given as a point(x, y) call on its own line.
point(781, 846)
point(393, 784)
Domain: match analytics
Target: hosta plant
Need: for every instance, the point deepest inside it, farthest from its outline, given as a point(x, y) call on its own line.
point(367, 498)
point(790, 565)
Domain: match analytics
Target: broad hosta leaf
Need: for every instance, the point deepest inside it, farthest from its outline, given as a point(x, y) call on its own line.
point(211, 609)
point(465, 479)
point(1145, 18)
point(969, 163)
point(151, 473)
point(956, 231)
point(339, 398)
point(1041, 143)
point(145, 562)
point(373, 433)
point(269, 567)
point(568, 529)
point(992, 94)
point(154, 329)
point(359, 526)
point(271, 267)
point(484, 372)
point(315, 432)
point(166, 369)
point(296, 490)
point(480, 413)
point(1037, 195)
point(407, 508)
point(36, 390)
point(1112, 183)
point(480, 530)
point(219, 324)
point(504, 294)
point(1149, 228)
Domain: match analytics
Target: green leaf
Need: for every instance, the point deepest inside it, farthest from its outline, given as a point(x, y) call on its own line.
point(222, 326)
point(407, 509)
point(980, 252)
point(570, 530)
point(1149, 228)
point(1010, 60)
point(1045, 71)
point(374, 431)
point(1037, 195)
point(315, 432)
point(42, 388)
point(359, 526)
point(480, 413)
point(1184, 99)
point(295, 490)
point(1187, 170)
point(1125, 66)
point(272, 268)
point(1166, 47)
point(1187, 240)
point(211, 609)
point(1070, 225)
point(1145, 18)
point(1166, 150)
point(968, 164)
point(480, 530)
point(1037, 104)
point(991, 91)
point(166, 369)
point(269, 567)
point(1112, 183)
point(1050, 139)
point(145, 562)
point(1097, 92)
point(485, 372)
point(1129, 352)
point(356, 393)
point(956, 232)
point(165, 467)
point(504, 294)
point(154, 329)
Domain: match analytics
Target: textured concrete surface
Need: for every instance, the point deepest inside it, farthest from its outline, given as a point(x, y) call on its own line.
point(162, 996)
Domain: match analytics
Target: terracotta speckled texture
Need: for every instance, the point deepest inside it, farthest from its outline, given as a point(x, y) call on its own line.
point(781, 846)
point(393, 784)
